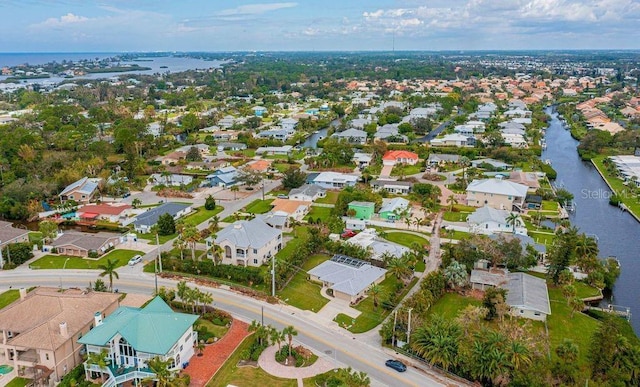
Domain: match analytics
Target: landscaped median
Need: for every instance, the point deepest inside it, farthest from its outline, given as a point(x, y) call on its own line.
point(68, 262)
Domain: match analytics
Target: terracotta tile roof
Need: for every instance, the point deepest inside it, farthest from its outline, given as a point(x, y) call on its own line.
point(400, 154)
point(287, 205)
point(106, 208)
point(260, 165)
point(37, 318)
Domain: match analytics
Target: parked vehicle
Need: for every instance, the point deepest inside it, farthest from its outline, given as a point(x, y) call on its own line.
point(348, 234)
point(396, 365)
point(135, 260)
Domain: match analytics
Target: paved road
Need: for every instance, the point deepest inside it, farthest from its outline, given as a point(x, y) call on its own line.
point(348, 350)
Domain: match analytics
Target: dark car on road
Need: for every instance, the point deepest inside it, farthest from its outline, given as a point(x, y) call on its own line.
point(396, 365)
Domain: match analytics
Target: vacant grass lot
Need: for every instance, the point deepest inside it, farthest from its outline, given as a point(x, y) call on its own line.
point(323, 213)
point(330, 198)
point(58, 261)
point(405, 170)
point(449, 305)
point(370, 317)
point(259, 206)
point(405, 239)
point(301, 292)
point(201, 215)
point(231, 374)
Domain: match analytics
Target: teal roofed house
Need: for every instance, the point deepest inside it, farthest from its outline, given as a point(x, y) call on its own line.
point(132, 336)
point(363, 210)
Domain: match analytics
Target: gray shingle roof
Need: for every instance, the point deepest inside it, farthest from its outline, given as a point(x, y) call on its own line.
point(527, 291)
point(307, 189)
point(499, 187)
point(253, 233)
point(150, 217)
point(486, 214)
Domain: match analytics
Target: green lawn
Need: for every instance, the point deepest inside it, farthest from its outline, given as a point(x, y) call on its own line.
point(18, 382)
point(292, 245)
point(454, 235)
point(330, 198)
point(319, 212)
point(8, 297)
point(370, 318)
point(152, 238)
point(420, 267)
point(201, 215)
point(58, 261)
point(231, 374)
point(302, 293)
point(585, 291)
point(283, 167)
point(548, 205)
point(217, 330)
point(463, 208)
point(542, 238)
point(405, 239)
point(35, 237)
point(618, 186)
point(259, 206)
point(405, 170)
point(449, 305)
point(450, 216)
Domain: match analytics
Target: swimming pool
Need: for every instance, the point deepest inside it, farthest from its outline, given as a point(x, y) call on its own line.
point(5, 369)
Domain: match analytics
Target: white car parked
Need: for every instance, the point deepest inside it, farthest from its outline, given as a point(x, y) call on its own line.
point(136, 259)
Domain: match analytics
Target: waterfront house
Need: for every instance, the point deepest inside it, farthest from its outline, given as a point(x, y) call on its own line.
point(247, 242)
point(133, 336)
point(527, 296)
point(81, 191)
point(352, 136)
point(362, 210)
point(40, 329)
point(488, 220)
point(347, 278)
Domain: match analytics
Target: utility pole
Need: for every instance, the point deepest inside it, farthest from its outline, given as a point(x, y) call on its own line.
point(1, 258)
point(395, 319)
point(155, 273)
point(409, 327)
point(273, 276)
point(262, 314)
point(159, 255)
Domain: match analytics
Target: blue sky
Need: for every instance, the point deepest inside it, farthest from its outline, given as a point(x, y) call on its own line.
point(217, 25)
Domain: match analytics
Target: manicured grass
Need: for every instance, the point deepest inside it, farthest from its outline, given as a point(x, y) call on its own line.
point(152, 238)
point(449, 305)
point(623, 192)
point(455, 216)
point(405, 239)
point(18, 382)
point(584, 291)
point(330, 198)
point(283, 167)
point(420, 266)
point(548, 205)
point(8, 297)
point(463, 208)
point(259, 206)
point(201, 215)
point(543, 238)
point(248, 152)
point(231, 374)
point(454, 235)
point(35, 237)
point(58, 261)
point(405, 170)
point(292, 245)
point(370, 318)
point(319, 212)
point(301, 292)
point(217, 330)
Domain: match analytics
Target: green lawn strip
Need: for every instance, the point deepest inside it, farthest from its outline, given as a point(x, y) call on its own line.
point(405, 170)
point(405, 239)
point(618, 186)
point(548, 205)
point(301, 292)
point(330, 198)
point(58, 261)
point(8, 297)
point(18, 382)
point(542, 238)
point(319, 212)
point(231, 374)
point(585, 291)
point(463, 208)
point(152, 238)
point(455, 216)
point(35, 236)
point(449, 305)
point(201, 215)
point(455, 234)
point(370, 318)
point(259, 206)
point(217, 330)
point(292, 245)
point(283, 167)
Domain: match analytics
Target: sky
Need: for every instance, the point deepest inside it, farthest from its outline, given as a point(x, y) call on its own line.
point(316, 25)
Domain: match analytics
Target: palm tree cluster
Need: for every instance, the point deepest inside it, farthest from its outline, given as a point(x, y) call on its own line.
point(188, 236)
point(193, 297)
point(492, 356)
point(269, 335)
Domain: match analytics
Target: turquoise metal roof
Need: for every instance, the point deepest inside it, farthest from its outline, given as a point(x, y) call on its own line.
point(152, 329)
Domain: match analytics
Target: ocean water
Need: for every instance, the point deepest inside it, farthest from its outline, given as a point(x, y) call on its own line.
point(9, 59)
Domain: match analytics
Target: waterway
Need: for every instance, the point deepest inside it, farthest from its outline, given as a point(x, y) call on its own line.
point(617, 232)
point(312, 140)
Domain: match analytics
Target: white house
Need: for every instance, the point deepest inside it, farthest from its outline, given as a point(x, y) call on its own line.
point(288, 123)
point(497, 193)
point(451, 140)
point(332, 180)
point(488, 220)
point(307, 193)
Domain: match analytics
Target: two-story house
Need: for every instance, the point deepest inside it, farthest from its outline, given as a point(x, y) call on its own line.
point(497, 193)
point(247, 242)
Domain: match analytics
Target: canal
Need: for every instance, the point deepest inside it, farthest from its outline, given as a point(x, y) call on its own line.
point(617, 232)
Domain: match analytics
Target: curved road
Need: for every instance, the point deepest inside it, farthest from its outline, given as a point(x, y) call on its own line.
point(337, 344)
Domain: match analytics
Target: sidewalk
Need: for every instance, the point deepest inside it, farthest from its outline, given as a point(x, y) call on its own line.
point(268, 363)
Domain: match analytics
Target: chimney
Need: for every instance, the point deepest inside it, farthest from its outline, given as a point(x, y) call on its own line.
point(64, 331)
point(23, 293)
point(97, 317)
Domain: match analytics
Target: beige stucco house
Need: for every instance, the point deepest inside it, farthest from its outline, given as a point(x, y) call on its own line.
point(497, 193)
point(247, 242)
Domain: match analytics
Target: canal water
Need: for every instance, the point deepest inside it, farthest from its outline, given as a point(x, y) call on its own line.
point(617, 232)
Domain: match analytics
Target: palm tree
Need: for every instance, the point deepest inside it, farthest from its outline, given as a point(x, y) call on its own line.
point(276, 337)
point(216, 253)
point(437, 342)
point(576, 305)
point(290, 331)
point(399, 268)
point(567, 351)
point(375, 291)
point(109, 269)
point(235, 190)
point(214, 225)
point(569, 292)
point(206, 299)
point(464, 161)
point(191, 236)
point(99, 359)
point(519, 354)
point(451, 200)
point(262, 332)
point(180, 244)
point(586, 246)
point(512, 220)
point(135, 203)
point(163, 376)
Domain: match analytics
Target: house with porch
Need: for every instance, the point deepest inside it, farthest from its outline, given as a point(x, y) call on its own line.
point(40, 329)
point(394, 157)
point(392, 186)
point(329, 180)
point(247, 242)
point(352, 136)
point(131, 337)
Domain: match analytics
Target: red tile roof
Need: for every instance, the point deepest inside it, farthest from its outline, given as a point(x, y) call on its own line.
point(400, 154)
point(105, 208)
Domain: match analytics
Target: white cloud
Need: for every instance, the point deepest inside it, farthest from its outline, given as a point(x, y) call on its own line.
point(63, 20)
point(255, 9)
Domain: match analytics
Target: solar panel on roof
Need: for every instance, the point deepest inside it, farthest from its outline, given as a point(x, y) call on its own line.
point(343, 259)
